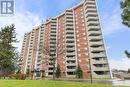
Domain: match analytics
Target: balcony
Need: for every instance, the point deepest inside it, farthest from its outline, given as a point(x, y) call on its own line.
point(94, 55)
point(90, 11)
point(98, 49)
point(91, 14)
point(70, 53)
point(94, 33)
point(69, 15)
point(95, 37)
point(67, 37)
point(53, 21)
point(51, 66)
point(52, 45)
point(93, 23)
point(91, 18)
point(53, 26)
point(53, 34)
point(71, 64)
point(96, 43)
point(100, 68)
point(70, 39)
point(93, 5)
point(39, 59)
point(69, 11)
point(71, 59)
point(38, 62)
point(70, 44)
point(70, 32)
point(72, 29)
point(50, 70)
point(90, 3)
point(69, 20)
point(71, 70)
point(53, 38)
point(53, 41)
point(70, 23)
point(70, 35)
point(70, 26)
point(99, 61)
point(94, 27)
point(53, 30)
point(90, 7)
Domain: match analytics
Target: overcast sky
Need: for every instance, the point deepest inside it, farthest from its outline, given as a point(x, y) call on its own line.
point(30, 13)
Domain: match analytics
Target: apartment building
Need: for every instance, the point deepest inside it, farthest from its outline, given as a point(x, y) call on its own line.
point(77, 33)
point(29, 53)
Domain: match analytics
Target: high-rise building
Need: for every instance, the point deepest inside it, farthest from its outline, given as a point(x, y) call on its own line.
point(77, 33)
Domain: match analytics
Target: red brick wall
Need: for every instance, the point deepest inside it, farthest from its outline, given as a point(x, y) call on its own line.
point(62, 45)
point(82, 43)
point(45, 56)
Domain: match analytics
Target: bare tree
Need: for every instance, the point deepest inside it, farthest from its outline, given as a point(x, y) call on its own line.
point(56, 52)
point(51, 54)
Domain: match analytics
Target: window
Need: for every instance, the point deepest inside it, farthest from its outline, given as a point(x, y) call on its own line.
point(83, 33)
point(87, 60)
point(77, 31)
point(86, 55)
point(82, 17)
point(83, 24)
point(83, 28)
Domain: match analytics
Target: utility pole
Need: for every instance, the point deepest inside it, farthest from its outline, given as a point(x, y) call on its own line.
point(54, 67)
point(91, 78)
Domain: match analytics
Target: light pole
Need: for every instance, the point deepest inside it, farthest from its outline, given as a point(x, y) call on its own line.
point(91, 78)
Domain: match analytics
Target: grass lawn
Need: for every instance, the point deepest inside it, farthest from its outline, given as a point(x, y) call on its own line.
point(45, 83)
